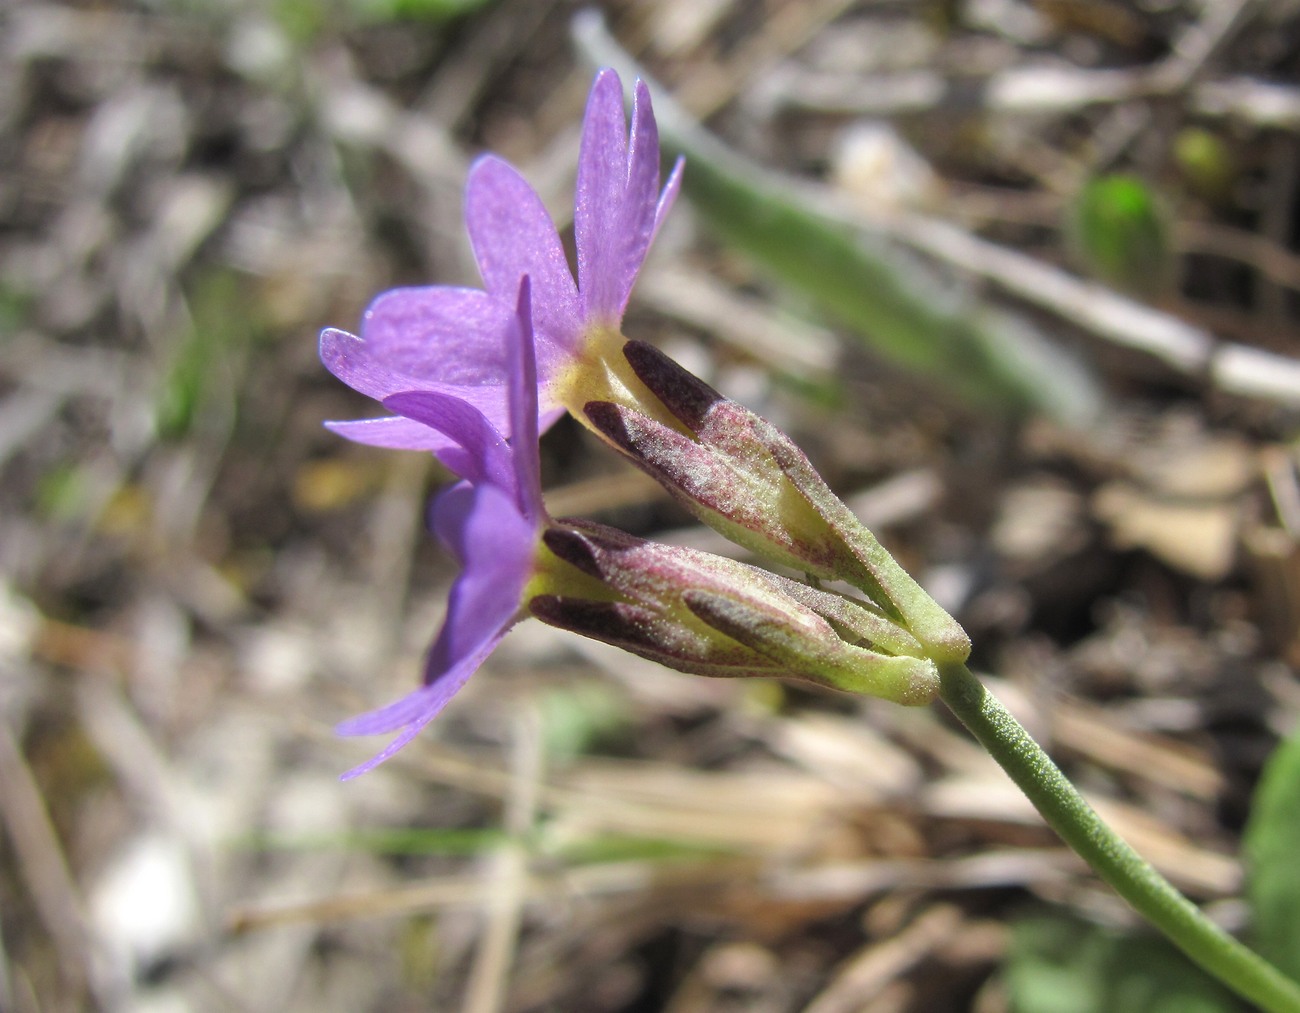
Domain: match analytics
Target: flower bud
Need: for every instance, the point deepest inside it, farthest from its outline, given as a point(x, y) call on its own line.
point(746, 479)
point(708, 615)
point(827, 660)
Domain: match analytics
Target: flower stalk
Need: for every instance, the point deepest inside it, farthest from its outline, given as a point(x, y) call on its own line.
point(1131, 876)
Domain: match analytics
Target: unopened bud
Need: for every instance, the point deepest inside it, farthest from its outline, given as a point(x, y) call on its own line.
point(709, 615)
point(827, 660)
point(749, 481)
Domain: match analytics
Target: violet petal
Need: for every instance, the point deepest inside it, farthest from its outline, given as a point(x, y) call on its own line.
point(392, 433)
point(480, 453)
point(352, 361)
point(497, 547)
point(447, 514)
point(635, 224)
point(602, 183)
point(522, 383)
point(513, 236)
point(439, 333)
point(415, 710)
point(361, 367)
point(668, 197)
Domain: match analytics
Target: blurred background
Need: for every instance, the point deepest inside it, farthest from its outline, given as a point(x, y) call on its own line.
point(1020, 277)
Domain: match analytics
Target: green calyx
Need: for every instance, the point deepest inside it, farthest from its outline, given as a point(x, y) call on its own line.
point(747, 480)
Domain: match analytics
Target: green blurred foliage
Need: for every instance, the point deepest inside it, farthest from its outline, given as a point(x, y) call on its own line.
point(15, 308)
point(1206, 163)
point(198, 389)
point(1272, 854)
point(577, 718)
point(404, 841)
point(590, 849)
point(1118, 231)
point(420, 947)
point(304, 20)
point(606, 848)
point(416, 10)
point(883, 295)
point(1058, 964)
point(61, 493)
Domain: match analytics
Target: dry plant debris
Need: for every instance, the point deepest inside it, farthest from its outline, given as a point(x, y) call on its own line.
point(198, 581)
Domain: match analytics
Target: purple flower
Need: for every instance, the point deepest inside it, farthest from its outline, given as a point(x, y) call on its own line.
point(473, 376)
point(689, 610)
point(491, 522)
point(446, 341)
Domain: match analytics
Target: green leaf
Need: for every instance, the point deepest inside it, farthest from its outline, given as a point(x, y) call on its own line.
point(1118, 230)
point(1272, 855)
point(1058, 964)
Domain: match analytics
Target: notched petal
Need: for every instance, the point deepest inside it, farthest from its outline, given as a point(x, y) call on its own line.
point(513, 236)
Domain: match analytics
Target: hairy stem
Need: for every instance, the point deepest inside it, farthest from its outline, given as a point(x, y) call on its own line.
point(1131, 876)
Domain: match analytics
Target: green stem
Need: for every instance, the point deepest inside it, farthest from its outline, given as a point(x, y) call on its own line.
point(1111, 858)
